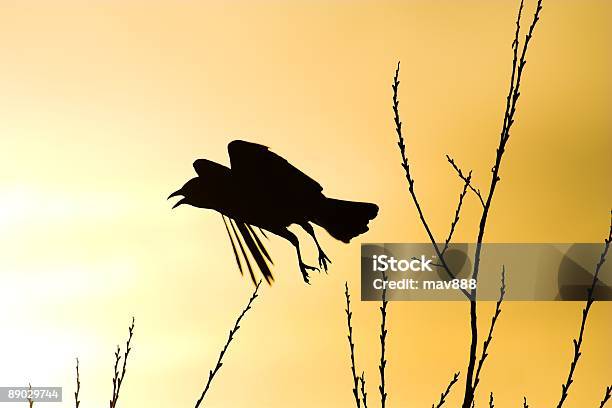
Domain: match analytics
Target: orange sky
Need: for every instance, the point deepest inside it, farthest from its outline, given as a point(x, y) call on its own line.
point(104, 106)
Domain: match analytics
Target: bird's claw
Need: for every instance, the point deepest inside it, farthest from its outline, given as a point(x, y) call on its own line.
point(323, 260)
point(305, 268)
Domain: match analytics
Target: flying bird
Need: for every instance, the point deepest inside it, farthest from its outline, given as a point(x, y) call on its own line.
point(264, 192)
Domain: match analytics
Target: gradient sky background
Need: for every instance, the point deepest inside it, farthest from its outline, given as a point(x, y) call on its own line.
point(105, 105)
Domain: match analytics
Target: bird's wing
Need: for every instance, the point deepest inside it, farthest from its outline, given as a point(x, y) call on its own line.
point(209, 169)
point(256, 165)
point(258, 252)
point(241, 232)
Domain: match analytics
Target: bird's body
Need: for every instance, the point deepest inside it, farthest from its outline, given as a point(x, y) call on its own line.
point(263, 190)
point(235, 199)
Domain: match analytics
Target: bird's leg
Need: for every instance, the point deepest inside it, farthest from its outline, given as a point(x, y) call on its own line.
point(323, 259)
point(290, 236)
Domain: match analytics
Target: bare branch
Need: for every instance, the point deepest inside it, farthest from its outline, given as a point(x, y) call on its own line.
point(349, 316)
point(30, 400)
point(585, 314)
point(525, 402)
point(491, 401)
point(118, 378)
point(447, 391)
point(465, 179)
point(364, 394)
point(606, 397)
point(116, 374)
point(78, 386)
point(457, 212)
point(487, 342)
point(406, 166)
point(383, 338)
point(232, 332)
point(511, 100)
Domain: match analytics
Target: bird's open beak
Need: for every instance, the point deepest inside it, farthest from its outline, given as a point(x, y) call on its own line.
point(176, 193)
point(179, 202)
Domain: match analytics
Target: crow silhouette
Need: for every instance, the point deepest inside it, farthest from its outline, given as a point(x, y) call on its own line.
point(263, 190)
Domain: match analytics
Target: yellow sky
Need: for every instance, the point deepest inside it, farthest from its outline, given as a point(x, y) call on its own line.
point(105, 105)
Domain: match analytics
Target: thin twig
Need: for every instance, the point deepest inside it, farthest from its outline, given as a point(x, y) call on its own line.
point(406, 167)
point(364, 394)
point(464, 178)
point(447, 391)
point(30, 400)
point(118, 378)
point(116, 373)
point(511, 101)
point(457, 211)
point(232, 332)
point(383, 342)
point(78, 386)
point(349, 316)
point(606, 397)
point(585, 314)
point(525, 402)
point(491, 401)
point(487, 342)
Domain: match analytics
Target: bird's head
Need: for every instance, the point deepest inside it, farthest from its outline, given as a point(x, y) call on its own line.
point(190, 192)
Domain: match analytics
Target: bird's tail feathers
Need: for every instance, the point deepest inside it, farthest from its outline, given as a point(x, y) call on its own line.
point(344, 220)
